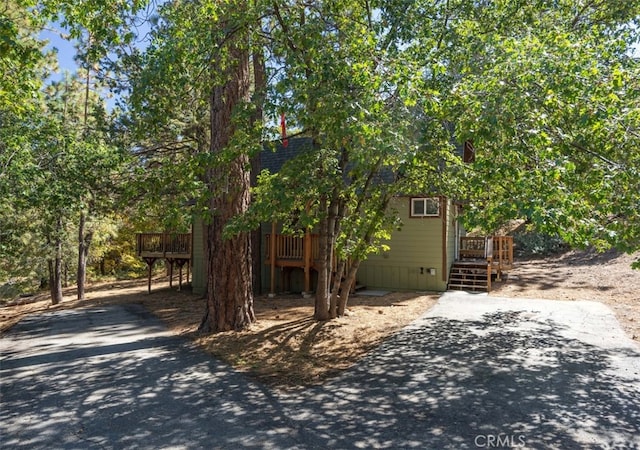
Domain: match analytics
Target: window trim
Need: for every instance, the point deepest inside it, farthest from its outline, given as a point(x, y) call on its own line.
point(425, 200)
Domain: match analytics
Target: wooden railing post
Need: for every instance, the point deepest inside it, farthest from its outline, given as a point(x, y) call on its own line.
point(272, 259)
point(511, 251)
point(488, 247)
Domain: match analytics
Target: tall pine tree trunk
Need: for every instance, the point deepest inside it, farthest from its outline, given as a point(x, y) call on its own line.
point(84, 241)
point(260, 86)
point(229, 289)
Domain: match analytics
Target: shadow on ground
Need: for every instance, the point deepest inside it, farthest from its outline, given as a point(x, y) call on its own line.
point(457, 384)
point(111, 377)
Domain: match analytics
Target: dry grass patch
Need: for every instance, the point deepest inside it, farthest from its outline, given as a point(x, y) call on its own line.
point(287, 348)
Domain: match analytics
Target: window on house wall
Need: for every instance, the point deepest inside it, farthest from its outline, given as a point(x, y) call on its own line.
point(425, 207)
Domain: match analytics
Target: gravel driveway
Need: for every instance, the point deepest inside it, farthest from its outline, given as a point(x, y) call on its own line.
point(474, 372)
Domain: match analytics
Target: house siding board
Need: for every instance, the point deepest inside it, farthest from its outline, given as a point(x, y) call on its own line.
point(417, 245)
point(415, 248)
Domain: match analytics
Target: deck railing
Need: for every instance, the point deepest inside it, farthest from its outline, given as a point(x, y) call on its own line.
point(291, 248)
point(503, 251)
point(480, 247)
point(163, 244)
point(496, 249)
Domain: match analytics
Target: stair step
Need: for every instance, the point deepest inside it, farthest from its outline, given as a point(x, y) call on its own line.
point(468, 282)
point(479, 276)
point(469, 276)
point(462, 287)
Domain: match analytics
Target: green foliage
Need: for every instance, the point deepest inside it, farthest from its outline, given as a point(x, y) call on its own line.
point(358, 98)
point(547, 91)
point(552, 107)
point(113, 251)
point(21, 59)
point(530, 243)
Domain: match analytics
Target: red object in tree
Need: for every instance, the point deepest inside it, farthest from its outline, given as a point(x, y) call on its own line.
point(283, 127)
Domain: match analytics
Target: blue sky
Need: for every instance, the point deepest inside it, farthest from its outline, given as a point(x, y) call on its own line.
point(66, 52)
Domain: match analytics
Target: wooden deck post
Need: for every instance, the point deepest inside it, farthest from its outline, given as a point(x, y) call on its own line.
point(170, 261)
point(510, 252)
point(181, 263)
point(499, 242)
point(272, 259)
point(150, 262)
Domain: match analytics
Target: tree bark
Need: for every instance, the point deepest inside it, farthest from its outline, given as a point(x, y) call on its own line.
point(341, 263)
point(345, 287)
point(84, 243)
point(321, 306)
point(335, 291)
point(260, 85)
point(229, 280)
point(327, 241)
point(55, 268)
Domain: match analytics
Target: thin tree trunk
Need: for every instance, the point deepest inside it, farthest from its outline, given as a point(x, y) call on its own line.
point(335, 291)
point(327, 240)
point(321, 304)
point(341, 263)
point(229, 289)
point(55, 268)
point(350, 278)
point(84, 243)
point(51, 283)
point(345, 287)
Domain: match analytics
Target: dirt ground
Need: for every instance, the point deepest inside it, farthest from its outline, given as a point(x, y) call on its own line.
point(287, 348)
point(581, 275)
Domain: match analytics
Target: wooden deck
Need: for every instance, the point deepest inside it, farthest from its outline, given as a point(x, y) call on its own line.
point(289, 252)
point(479, 259)
point(164, 245)
point(292, 251)
point(175, 248)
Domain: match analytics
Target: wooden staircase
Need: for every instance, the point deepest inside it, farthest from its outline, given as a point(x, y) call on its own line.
point(472, 276)
point(480, 257)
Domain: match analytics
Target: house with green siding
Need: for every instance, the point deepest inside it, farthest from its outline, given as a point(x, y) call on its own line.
point(429, 252)
point(420, 253)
